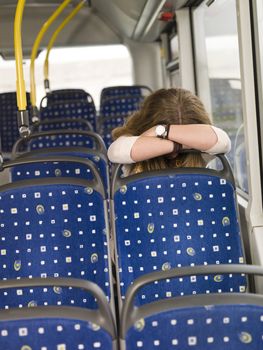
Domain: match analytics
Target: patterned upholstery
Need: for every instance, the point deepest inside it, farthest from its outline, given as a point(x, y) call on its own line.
point(77, 124)
point(67, 94)
point(76, 109)
point(62, 140)
point(53, 228)
point(63, 169)
point(172, 220)
point(214, 327)
point(53, 334)
point(8, 120)
point(113, 113)
point(116, 91)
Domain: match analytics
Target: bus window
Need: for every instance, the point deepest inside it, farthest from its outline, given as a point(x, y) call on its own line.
point(218, 76)
point(90, 68)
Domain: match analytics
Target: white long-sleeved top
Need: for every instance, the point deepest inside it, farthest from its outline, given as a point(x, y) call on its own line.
point(120, 150)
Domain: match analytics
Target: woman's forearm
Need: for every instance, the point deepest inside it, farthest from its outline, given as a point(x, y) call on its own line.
point(207, 138)
point(147, 147)
point(197, 136)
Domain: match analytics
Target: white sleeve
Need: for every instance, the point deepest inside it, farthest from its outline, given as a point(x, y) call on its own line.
point(223, 144)
point(120, 150)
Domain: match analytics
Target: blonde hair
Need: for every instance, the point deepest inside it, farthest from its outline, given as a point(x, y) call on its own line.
point(166, 106)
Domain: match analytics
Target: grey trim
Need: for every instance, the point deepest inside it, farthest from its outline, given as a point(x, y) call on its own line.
point(102, 317)
point(188, 302)
point(129, 312)
point(118, 181)
point(69, 149)
point(97, 138)
point(147, 17)
point(96, 183)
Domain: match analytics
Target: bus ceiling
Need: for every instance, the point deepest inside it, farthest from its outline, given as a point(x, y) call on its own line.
point(100, 22)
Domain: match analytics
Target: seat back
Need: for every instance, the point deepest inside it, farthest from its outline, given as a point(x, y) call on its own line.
point(174, 218)
point(58, 327)
point(59, 138)
point(63, 168)
point(201, 322)
point(8, 120)
point(55, 227)
point(64, 95)
point(129, 90)
point(74, 109)
point(113, 113)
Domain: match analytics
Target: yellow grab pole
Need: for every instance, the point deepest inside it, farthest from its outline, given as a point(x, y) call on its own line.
point(34, 51)
point(54, 37)
point(22, 114)
point(20, 82)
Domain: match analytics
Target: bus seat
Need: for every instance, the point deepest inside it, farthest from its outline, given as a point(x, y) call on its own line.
point(8, 120)
point(64, 95)
point(74, 109)
point(62, 169)
point(59, 138)
point(65, 123)
point(113, 113)
point(54, 227)
point(200, 322)
point(173, 218)
point(58, 327)
point(128, 90)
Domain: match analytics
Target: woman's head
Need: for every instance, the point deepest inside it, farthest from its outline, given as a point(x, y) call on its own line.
point(166, 106)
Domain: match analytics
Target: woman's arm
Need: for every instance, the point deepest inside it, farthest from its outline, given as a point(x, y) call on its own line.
point(131, 149)
point(207, 138)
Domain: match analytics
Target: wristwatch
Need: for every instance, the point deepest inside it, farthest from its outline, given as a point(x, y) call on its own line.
point(161, 131)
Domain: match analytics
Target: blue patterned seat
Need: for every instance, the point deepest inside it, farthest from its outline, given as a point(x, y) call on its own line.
point(59, 138)
point(128, 90)
point(67, 124)
point(8, 120)
point(175, 218)
point(113, 112)
point(66, 94)
point(63, 168)
point(73, 109)
point(59, 327)
point(202, 322)
point(54, 227)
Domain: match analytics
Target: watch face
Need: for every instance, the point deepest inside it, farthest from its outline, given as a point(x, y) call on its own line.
point(160, 130)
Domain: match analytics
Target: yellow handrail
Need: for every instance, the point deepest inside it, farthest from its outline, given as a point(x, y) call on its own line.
point(20, 82)
point(37, 42)
point(54, 37)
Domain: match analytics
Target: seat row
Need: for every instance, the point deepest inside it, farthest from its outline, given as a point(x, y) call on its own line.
point(161, 223)
point(74, 109)
point(167, 237)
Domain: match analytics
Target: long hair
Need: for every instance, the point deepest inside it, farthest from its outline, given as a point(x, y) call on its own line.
point(166, 106)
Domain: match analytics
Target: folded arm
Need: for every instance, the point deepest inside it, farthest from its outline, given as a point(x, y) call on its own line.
point(130, 149)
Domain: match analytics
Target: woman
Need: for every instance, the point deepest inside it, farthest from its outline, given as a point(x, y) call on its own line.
point(169, 120)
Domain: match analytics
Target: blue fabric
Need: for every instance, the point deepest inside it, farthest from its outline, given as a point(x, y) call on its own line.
point(62, 169)
point(113, 112)
point(68, 94)
point(53, 231)
point(52, 334)
point(117, 91)
point(76, 124)
point(8, 120)
point(231, 327)
point(165, 222)
point(69, 109)
point(62, 140)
